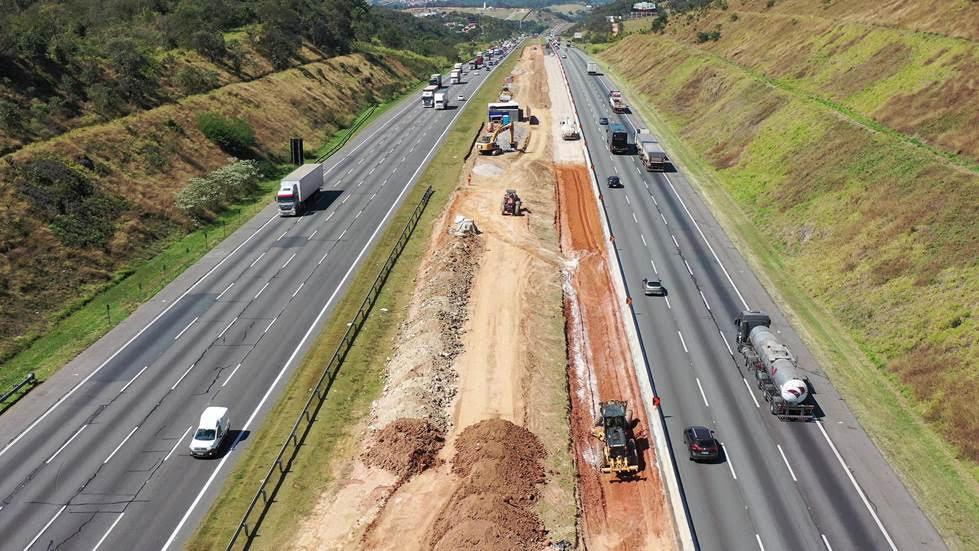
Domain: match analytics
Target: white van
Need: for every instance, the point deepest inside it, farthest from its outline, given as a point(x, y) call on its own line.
point(211, 432)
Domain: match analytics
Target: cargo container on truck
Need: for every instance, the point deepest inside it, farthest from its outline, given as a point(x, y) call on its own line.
point(616, 102)
point(618, 138)
point(296, 189)
point(457, 67)
point(441, 101)
point(593, 68)
point(428, 95)
point(650, 151)
point(455, 77)
point(435, 79)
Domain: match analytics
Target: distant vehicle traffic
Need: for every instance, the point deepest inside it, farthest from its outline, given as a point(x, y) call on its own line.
point(618, 138)
point(296, 189)
point(603, 121)
point(460, 98)
point(701, 444)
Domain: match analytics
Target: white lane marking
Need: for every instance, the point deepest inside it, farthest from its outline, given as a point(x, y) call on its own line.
point(702, 393)
point(786, 459)
point(182, 376)
point(627, 201)
point(123, 389)
point(344, 200)
point(270, 325)
point(826, 543)
point(675, 241)
point(615, 168)
point(385, 182)
point(294, 254)
point(638, 171)
point(361, 211)
point(683, 342)
point(730, 464)
point(225, 330)
point(643, 237)
point(254, 262)
point(107, 532)
point(753, 399)
point(348, 172)
point(124, 440)
point(403, 158)
point(655, 202)
point(393, 170)
point(371, 198)
point(634, 218)
point(664, 219)
point(667, 303)
point(760, 545)
point(184, 330)
point(283, 235)
point(360, 183)
point(338, 182)
point(362, 159)
point(311, 236)
point(233, 371)
point(729, 351)
point(65, 445)
point(702, 236)
point(260, 291)
point(46, 526)
point(330, 216)
point(654, 266)
point(226, 289)
point(371, 171)
point(312, 327)
point(342, 234)
point(177, 443)
point(689, 271)
point(132, 339)
point(705, 301)
point(853, 481)
point(610, 157)
point(296, 292)
point(324, 258)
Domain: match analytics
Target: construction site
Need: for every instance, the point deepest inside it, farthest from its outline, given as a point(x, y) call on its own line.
point(511, 416)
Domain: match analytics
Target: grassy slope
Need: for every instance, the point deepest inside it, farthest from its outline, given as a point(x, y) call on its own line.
point(869, 238)
point(361, 378)
point(40, 276)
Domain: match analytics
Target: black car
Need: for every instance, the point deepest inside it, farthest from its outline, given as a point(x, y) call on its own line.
point(603, 121)
point(701, 443)
point(613, 181)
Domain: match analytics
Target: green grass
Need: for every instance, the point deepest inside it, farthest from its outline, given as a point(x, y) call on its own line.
point(944, 485)
point(361, 376)
point(82, 323)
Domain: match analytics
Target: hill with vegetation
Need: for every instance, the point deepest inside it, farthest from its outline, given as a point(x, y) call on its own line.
point(840, 142)
point(109, 111)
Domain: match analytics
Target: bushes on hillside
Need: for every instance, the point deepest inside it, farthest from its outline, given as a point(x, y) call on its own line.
point(204, 197)
point(233, 135)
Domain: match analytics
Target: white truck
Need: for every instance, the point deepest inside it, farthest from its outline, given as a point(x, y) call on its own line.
point(651, 152)
point(592, 68)
point(616, 101)
point(441, 101)
point(428, 95)
point(297, 188)
point(455, 77)
point(569, 130)
point(457, 67)
point(435, 80)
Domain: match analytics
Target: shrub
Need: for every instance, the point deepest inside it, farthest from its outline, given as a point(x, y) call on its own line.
point(233, 135)
point(194, 80)
point(659, 24)
point(711, 36)
point(204, 197)
point(770, 4)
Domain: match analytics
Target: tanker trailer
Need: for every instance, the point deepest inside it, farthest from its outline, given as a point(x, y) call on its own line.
point(774, 366)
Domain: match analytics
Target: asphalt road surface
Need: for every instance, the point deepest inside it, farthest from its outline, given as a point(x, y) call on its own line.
point(779, 485)
point(105, 464)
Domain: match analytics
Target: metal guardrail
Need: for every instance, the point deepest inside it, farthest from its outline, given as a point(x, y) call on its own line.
point(270, 484)
point(350, 132)
point(29, 380)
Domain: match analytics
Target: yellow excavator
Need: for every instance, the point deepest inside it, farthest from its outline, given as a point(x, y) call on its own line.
point(487, 142)
point(614, 429)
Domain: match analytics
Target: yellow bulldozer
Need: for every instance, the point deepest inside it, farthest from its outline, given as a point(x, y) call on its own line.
point(487, 142)
point(614, 429)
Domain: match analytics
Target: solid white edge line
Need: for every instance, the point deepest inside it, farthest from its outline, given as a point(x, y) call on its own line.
point(760, 545)
point(107, 532)
point(131, 340)
point(254, 262)
point(727, 459)
point(184, 330)
point(702, 393)
point(46, 526)
point(397, 200)
point(702, 236)
point(856, 486)
point(260, 291)
point(233, 371)
point(826, 543)
point(121, 444)
point(225, 330)
point(786, 460)
point(294, 254)
point(177, 443)
point(752, 394)
point(226, 289)
point(683, 342)
point(65, 445)
point(123, 389)
point(182, 376)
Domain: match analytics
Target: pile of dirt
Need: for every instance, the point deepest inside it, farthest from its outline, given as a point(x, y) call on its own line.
point(421, 381)
point(405, 447)
point(493, 507)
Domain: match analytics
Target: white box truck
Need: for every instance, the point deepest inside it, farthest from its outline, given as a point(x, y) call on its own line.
point(455, 77)
point(441, 101)
point(428, 95)
point(651, 152)
point(457, 67)
point(592, 68)
point(435, 80)
point(297, 188)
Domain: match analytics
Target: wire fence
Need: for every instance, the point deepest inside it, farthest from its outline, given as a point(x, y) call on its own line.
point(28, 381)
point(268, 488)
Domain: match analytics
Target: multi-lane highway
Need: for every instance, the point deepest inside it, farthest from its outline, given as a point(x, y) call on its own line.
point(104, 462)
point(780, 485)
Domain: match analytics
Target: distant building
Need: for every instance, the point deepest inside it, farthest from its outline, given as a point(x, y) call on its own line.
point(640, 9)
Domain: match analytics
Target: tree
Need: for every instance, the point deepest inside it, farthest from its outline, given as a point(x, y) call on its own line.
point(233, 135)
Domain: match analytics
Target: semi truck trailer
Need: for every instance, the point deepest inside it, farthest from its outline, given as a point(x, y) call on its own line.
point(651, 152)
point(593, 68)
point(775, 367)
point(296, 189)
point(428, 95)
point(435, 80)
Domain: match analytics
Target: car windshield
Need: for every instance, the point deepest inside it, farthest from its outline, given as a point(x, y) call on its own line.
point(205, 434)
point(652, 283)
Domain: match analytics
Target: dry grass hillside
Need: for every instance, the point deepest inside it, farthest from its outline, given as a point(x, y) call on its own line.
point(850, 148)
point(141, 160)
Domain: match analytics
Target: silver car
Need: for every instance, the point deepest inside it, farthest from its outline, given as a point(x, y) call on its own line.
point(653, 287)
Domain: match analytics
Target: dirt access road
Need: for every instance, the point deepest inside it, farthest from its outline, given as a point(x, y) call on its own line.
point(511, 339)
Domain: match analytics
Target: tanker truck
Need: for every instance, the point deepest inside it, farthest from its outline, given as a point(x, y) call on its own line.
point(775, 367)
